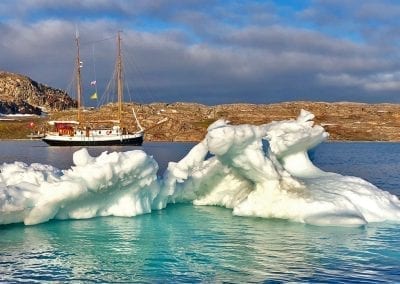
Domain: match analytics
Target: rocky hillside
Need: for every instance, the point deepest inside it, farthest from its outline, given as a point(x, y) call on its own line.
point(20, 94)
point(344, 121)
point(189, 122)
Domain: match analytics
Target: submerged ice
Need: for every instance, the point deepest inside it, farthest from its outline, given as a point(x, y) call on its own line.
point(261, 171)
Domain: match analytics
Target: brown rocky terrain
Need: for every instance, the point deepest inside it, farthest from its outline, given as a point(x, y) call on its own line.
point(189, 121)
point(20, 94)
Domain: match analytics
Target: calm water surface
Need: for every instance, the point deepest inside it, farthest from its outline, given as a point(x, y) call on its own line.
point(185, 243)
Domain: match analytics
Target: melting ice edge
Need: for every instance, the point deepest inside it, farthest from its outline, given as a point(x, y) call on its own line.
point(261, 171)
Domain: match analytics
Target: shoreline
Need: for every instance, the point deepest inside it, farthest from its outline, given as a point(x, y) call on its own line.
point(188, 122)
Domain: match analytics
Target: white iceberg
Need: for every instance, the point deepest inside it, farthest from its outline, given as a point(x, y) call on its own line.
point(261, 171)
point(117, 184)
point(265, 171)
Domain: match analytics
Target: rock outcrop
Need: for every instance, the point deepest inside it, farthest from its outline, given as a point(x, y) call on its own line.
point(345, 121)
point(189, 121)
point(20, 94)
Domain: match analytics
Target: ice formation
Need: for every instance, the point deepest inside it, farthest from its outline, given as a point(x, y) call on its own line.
point(118, 184)
point(261, 171)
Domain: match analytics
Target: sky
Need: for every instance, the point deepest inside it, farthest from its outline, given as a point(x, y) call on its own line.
point(211, 51)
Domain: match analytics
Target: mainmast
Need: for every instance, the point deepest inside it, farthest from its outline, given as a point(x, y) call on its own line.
point(119, 78)
point(78, 78)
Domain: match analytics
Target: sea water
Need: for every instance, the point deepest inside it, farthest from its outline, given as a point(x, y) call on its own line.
point(186, 243)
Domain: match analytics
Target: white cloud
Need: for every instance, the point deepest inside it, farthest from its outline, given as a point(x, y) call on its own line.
point(203, 50)
point(380, 82)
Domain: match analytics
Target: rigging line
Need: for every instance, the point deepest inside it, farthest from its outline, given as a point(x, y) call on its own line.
point(71, 83)
point(94, 70)
point(105, 98)
point(145, 88)
point(128, 91)
point(96, 41)
point(126, 81)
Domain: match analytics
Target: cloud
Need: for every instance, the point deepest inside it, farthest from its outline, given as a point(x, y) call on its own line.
point(380, 82)
point(207, 51)
point(360, 20)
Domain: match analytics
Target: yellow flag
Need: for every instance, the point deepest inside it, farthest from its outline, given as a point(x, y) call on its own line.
point(94, 96)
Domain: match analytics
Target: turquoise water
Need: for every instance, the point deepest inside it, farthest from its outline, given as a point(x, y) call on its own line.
point(197, 244)
point(185, 243)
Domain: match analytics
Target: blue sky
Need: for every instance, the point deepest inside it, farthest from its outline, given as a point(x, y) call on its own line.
point(212, 51)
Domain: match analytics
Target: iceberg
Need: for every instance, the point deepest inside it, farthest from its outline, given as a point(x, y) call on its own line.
point(254, 170)
point(117, 184)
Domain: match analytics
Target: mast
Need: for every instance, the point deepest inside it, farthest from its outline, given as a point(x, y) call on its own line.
point(119, 78)
point(78, 78)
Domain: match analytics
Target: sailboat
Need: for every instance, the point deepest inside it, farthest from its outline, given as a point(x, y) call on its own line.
point(94, 133)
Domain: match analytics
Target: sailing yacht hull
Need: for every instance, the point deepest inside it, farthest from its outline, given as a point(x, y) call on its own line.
point(132, 140)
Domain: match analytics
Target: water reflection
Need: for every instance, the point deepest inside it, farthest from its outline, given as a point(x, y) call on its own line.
point(189, 244)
